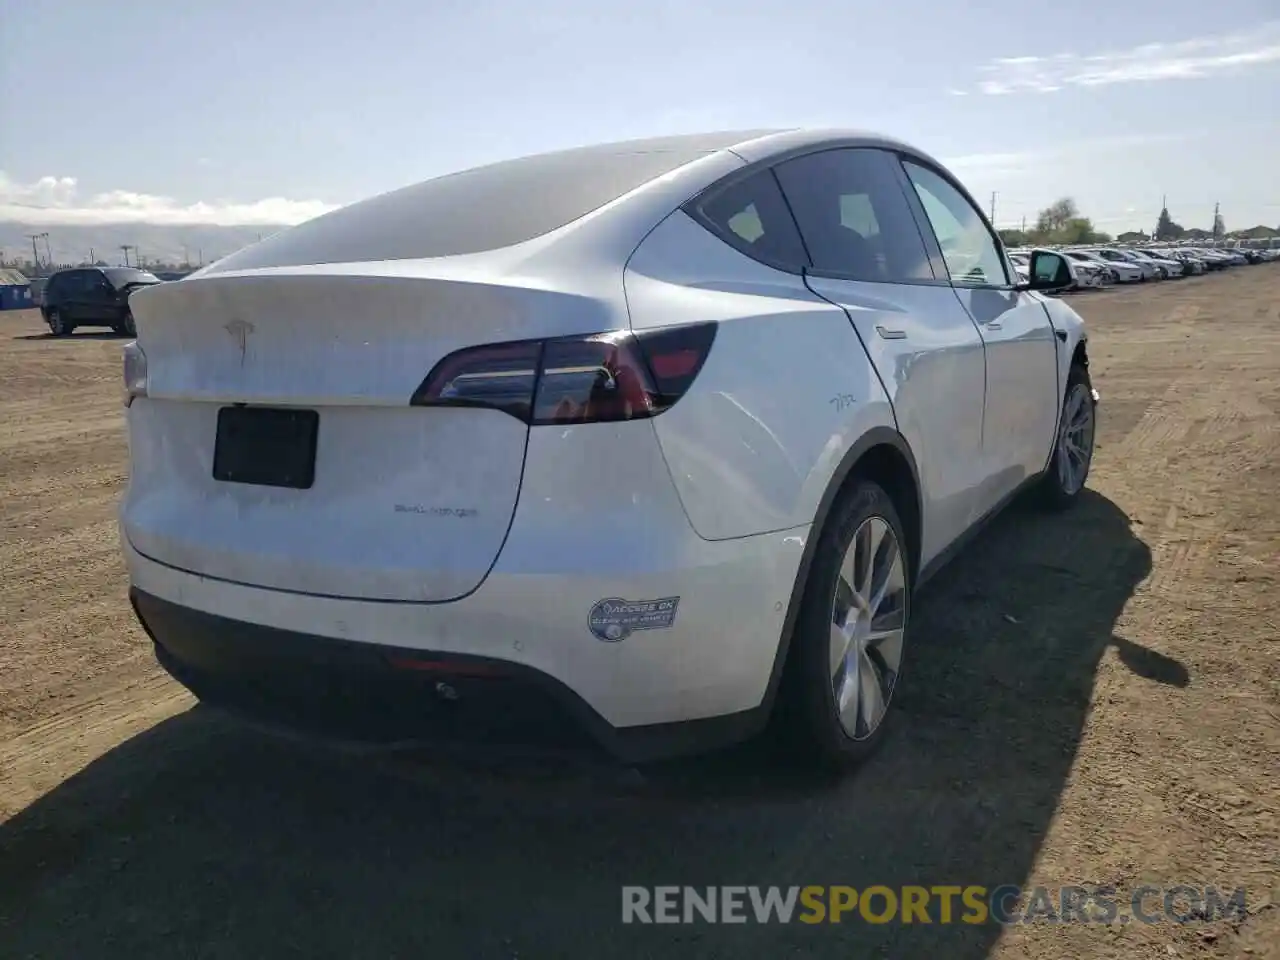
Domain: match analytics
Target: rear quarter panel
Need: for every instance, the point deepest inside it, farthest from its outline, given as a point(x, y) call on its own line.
point(786, 391)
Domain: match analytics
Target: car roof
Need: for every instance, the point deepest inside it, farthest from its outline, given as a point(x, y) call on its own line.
point(625, 187)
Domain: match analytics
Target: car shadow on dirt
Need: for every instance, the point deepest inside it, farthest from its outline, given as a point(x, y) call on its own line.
point(201, 838)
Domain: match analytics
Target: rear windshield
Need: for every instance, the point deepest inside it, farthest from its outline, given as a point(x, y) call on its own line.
point(122, 278)
point(484, 208)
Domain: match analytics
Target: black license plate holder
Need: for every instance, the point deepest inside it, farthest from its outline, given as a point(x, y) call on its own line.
point(266, 446)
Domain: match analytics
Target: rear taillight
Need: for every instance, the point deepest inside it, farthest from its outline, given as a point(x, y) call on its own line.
point(598, 378)
point(135, 372)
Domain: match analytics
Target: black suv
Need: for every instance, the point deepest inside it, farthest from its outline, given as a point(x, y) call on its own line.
point(92, 297)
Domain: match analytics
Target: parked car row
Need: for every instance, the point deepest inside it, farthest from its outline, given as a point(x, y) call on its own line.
point(1094, 267)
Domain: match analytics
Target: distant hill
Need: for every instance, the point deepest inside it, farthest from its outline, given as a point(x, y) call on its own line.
point(155, 243)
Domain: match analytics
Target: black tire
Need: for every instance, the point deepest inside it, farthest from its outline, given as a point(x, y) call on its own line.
point(58, 325)
point(125, 327)
point(1057, 490)
point(808, 708)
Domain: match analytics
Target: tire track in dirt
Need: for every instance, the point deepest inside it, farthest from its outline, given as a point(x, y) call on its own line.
point(44, 754)
point(1206, 427)
point(64, 620)
point(46, 432)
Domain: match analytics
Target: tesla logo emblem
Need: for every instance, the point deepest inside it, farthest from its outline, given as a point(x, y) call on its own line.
point(240, 331)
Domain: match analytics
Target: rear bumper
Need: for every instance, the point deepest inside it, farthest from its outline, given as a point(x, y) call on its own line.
point(385, 695)
point(519, 653)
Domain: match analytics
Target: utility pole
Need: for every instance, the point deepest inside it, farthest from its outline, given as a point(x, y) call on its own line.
point(92, 258)
point(126, 247)
point(993, 208)
point(1024, 223)
point(35, 250)
point(48, 252)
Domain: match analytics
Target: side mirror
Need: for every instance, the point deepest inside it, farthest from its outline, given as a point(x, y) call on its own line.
point(1048, 271)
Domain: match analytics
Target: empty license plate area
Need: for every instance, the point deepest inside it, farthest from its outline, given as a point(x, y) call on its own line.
point(267, 446)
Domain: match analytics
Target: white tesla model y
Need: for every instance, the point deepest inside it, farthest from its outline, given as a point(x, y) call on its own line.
point(638, 441)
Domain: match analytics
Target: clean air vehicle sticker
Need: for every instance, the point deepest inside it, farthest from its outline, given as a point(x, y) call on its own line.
point(612, 620)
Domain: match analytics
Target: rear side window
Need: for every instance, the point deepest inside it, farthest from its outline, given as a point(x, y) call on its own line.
point(751, 215)
point(854, 218)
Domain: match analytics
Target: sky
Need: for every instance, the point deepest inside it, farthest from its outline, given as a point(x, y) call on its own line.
point(273, 111)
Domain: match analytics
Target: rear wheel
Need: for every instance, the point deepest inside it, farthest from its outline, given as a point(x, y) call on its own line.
point(58, 325)
point(125, 326)
point(851, 632)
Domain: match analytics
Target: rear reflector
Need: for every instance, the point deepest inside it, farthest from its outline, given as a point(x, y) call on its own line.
point(452, 668)
point(593, 379)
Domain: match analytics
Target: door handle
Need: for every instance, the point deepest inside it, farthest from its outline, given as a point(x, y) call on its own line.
point(994, 325)
point(888, 334)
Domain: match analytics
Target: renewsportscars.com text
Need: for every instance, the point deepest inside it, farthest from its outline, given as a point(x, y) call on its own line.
point(972, 904)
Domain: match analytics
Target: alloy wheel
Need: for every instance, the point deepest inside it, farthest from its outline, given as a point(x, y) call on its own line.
point(1075, 440)
point(868, 627)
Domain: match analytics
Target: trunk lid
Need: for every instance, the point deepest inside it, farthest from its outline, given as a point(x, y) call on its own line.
point(407, 503)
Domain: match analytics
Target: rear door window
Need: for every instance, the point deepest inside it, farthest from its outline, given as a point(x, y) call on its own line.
point(751, 214)
point(76, 284)
point(94, 284)
point(853, 216)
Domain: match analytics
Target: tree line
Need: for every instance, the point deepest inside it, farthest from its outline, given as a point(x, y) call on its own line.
point(1062, 223)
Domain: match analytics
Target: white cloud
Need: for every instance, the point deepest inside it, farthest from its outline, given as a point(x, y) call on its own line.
point(54, 201)
point(982, 161)
point(985, 167)
point(1185, 60)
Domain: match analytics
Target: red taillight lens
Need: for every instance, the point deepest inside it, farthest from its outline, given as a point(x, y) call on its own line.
point(592, 379)
point(676, 355)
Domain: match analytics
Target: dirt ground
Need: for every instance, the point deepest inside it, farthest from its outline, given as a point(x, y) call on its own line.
point(1093, 698)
